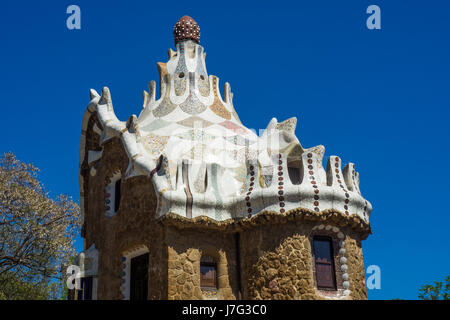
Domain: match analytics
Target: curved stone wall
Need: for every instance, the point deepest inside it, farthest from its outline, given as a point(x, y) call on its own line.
point(279, 263)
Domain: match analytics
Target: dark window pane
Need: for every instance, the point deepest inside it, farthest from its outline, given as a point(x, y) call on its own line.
point(323, 254)
point(117, 194)
point(79, 294)
point(322, 250)
point(208, 273)
point(208, 279)
point(87, 288)
point(295, 175)
point(139, 277)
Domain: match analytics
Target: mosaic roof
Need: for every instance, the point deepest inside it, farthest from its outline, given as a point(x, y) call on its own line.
point(203, 161)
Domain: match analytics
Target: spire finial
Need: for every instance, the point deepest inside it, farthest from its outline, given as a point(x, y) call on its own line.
point(186, 29)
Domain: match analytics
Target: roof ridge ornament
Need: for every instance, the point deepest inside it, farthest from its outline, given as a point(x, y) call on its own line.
point(186, 29)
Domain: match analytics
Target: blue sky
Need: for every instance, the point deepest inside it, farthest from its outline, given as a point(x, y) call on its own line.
point(378, 98)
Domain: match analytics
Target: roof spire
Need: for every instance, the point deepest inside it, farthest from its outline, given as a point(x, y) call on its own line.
point(186, 29)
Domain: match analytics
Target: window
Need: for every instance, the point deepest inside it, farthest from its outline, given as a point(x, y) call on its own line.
point(113, 194)
point(117, 195)
point(86, 283)
point(85, 292)
point(294, 175)
point(139, 277)
point(208, 274)
point(295, 172)
point(324, 262)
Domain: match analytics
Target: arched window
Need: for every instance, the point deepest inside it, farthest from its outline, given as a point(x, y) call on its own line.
point(324, 263)
point(208, 274)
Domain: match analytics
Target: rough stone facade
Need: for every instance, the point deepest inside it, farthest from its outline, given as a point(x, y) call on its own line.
point(356, 269)
point(279, 263)
point(185, 248)
point(133, 225)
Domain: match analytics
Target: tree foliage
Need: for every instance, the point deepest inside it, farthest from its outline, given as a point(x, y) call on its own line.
point(438, 291)
point(36, 233)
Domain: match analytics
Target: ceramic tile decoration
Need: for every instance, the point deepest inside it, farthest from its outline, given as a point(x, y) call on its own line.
point(190, 124)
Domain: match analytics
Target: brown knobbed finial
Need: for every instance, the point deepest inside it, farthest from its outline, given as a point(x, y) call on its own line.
point(186, 29)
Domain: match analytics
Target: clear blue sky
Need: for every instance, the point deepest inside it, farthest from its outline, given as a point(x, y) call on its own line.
point(380, 98)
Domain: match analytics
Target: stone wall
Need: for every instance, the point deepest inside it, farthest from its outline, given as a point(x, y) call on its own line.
point(185, 249)
point(133, 225)
point(279, 263)
point(356, 268)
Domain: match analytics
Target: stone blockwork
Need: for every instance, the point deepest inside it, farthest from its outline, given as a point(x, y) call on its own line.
point(357, 275)
point(133, 225)
point(186, 247)
point(275, 253)
point(278, 263)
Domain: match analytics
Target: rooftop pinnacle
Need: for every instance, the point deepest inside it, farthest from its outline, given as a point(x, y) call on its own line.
point(186, 29)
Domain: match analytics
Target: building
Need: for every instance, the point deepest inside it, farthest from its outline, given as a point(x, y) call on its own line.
point(185, 202)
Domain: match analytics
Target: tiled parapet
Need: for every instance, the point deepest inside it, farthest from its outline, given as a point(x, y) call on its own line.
point(319, 190)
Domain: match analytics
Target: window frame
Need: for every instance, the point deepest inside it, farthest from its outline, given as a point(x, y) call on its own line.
point(126, 267)
point(332, 264)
